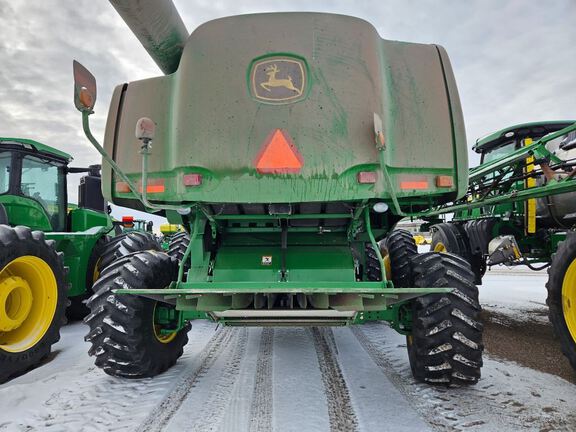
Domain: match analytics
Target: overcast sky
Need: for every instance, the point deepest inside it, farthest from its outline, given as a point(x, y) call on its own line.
point(514, 61)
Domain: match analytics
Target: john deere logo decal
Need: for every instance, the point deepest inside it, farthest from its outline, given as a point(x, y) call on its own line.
point(278, 79)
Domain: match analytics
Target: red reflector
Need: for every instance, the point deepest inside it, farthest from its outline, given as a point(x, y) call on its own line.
point(122, 187)
point(366, 177)
point(127, 219)
point(192, 179)
point(414, 185)
point(444, 181)
point(278, 155)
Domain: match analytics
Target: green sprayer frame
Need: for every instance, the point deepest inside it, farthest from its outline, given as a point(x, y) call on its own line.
point(486, 174)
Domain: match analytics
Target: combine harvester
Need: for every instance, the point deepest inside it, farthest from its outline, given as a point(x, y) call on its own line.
point(520, 209)
point(50, 252)
point(288, 145)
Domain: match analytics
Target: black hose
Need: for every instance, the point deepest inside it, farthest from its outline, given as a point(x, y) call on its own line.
point(531, 267)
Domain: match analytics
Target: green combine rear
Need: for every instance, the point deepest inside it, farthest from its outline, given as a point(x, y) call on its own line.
point(288, 146)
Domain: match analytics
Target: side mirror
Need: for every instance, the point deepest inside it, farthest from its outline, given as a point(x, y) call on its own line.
point(84, 88)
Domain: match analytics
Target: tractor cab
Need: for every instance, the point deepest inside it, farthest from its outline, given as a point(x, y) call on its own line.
point(33, 186)
point(505, 141)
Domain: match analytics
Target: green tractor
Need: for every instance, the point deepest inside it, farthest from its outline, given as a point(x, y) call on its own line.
point(288, 146)
point(50, 253)
point(520, 209)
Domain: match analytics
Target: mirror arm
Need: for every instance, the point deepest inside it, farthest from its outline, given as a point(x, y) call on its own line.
point(145, 152)
point(106, 157)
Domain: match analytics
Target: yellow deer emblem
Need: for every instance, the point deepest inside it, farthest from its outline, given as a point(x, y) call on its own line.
point(278, 82)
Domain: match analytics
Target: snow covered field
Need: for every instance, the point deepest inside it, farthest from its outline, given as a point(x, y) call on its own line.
point(293, 379)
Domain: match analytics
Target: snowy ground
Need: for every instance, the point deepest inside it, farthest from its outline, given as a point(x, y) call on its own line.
point(293, 379)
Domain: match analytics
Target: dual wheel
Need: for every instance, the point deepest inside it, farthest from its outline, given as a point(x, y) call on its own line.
point(104, 253)
point(452, 238)
point(134, 336)
point(445, 344)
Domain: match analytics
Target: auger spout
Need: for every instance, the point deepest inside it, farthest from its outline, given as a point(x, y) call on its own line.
point(159, 28)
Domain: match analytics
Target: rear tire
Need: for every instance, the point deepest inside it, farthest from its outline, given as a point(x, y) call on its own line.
point(124, 335)
point(445, 346)
point(452, 238)
point(33, 300)
point(178, 245)
point(401, 247)
point(561, 299)
point(125, 244)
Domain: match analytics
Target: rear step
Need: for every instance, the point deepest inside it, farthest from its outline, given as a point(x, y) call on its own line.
point(284, 317)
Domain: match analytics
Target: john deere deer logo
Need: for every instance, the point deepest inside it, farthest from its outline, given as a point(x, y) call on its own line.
point(275, 82)
point(278, 80)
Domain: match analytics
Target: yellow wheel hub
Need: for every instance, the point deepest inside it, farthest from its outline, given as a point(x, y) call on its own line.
point(161, 337)
point(96, 272)
point(28, 299)
point(16, 302)
point(569, 298)
point(439, 247)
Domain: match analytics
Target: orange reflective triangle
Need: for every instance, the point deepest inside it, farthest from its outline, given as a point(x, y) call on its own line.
point(279, 155)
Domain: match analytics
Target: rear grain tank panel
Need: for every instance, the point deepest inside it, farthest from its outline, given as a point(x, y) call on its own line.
point(328, 82)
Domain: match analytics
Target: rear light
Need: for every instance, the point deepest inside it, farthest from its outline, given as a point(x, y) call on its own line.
point(444, 181)
point(366, 177)
point(153, 186)
point(192, 179)
point(128, 221)
point(411, 185)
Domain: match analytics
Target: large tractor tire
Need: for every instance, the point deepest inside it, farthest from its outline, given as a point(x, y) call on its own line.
point(373, 269)
point(103, 254)
point(178, 245)
point(561, 299)
point(126, 338)
point(445, 346)
point(125, 244)
point(447, 237)
point(401, 247)
point(452, 238)
point(33, 300)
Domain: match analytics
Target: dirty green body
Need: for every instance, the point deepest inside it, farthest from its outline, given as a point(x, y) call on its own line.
point(289, 248)
point(505, 155)
point(75, 230)
point(209, 121)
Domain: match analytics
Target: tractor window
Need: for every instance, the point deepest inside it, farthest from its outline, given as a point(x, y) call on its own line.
point(43, 180)
point(5, 163)
point(498, 152)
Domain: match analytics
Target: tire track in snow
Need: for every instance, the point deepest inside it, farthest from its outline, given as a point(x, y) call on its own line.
point(209, 416)
point(340, 411)
point(403, 386)
point(169, 406)
point(261, 408)
point(500, 401)
point(82, 397)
